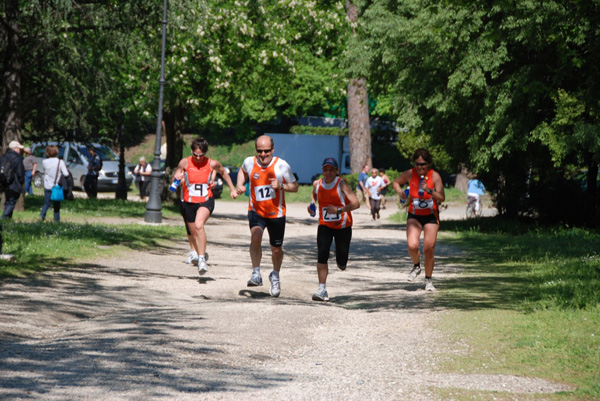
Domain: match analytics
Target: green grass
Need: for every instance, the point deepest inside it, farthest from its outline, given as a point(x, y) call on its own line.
point(38, 246)
point(528, 303)
point(82, 208)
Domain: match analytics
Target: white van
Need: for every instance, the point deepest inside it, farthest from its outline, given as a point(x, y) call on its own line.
point(76, 157)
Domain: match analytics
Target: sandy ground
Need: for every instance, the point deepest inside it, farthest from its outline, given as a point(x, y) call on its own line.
point(145, 326)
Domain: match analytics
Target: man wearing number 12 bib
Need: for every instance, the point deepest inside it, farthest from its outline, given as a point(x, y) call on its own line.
point(198, 203)
point(269, 178)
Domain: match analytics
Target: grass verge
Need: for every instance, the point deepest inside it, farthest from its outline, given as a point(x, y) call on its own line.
point(528, 303)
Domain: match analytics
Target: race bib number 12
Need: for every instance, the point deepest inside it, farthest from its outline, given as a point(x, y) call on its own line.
point(264, 192)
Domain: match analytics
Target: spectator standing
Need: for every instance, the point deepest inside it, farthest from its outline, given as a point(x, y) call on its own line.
point(53, 166)
point(94, 167)
point(361, 190)
point(143, 172)
point(426, 191)
point(374, 184)
point(30, 164)
point(15, 187)
point(270, 177)
point(336, 200)
point(386, 185)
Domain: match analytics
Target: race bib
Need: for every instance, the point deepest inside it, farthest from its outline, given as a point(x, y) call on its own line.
point(198, 189)
point(264, 192)
point(423, 204)
point(330, 217)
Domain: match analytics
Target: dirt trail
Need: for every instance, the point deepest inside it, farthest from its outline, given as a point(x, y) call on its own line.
point(146, 326)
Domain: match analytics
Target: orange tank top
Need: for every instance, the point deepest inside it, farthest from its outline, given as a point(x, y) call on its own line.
point(197, 176)
point(264, 200)
point(424, 205)
point(335, 197)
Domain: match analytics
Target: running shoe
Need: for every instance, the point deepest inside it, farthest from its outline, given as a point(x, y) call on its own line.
point(414, 273)
point(193, 255)
point(202, 267)
point(275, 285)
point(255, 280)
point(320, 295)
point(429, 285)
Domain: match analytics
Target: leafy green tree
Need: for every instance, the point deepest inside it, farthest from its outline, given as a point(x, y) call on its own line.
point(509, 88)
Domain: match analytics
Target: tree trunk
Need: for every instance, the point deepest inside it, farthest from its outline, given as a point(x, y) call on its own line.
point(358, 112)
point(121, 191)
point(174, 125)
point(10, 97)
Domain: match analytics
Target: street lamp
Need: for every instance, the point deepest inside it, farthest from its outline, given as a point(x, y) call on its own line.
point(153, 207)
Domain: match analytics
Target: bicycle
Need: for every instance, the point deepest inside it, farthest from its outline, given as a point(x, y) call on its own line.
point(472, 207)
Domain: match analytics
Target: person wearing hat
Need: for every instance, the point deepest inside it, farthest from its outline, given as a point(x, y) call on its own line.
point(142, 173)
point(30, 165)
point(15, 187)
point(336, 200)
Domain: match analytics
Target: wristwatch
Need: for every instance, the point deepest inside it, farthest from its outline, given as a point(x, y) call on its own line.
point(339, 210)
point(429, 191)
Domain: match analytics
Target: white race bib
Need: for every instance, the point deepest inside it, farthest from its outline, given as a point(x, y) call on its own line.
point(198, 190)
point(423, 204)
point(330, 217)
point(264, 192)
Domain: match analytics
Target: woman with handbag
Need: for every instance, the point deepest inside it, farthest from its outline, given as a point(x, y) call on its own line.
point(54, 169)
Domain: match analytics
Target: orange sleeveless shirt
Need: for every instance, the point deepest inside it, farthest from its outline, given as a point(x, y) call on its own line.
point(197, 176)
point(335, 197)
point(264, 200)
point(425, 205)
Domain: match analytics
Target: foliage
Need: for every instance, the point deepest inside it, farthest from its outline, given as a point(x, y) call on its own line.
point(308, 130)
point(507, 90)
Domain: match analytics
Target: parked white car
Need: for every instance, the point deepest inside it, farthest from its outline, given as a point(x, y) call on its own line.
point(76, 157)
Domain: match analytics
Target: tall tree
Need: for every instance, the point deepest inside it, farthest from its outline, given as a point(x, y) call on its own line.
point(359, 125)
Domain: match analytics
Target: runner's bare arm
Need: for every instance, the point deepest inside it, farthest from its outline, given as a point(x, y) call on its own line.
point(241, 180)
point(313, 196)
point(218, 167)
point(180, 169)
point(351, 196)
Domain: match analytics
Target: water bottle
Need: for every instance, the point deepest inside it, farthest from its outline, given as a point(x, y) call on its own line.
point(403, 201)
point(421, 190)
point(174, 185)
point(313, 209)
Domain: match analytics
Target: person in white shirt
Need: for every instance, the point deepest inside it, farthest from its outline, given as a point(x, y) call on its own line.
point(54, 169)
point(374, 185)
point(143, 172)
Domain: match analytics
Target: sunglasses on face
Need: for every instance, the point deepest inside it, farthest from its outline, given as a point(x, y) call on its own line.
point(198, 154)
point(420, 164)
point(259, 151)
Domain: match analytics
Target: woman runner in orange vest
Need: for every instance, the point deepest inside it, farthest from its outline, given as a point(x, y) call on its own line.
point(198, 203)
point(336, 200)
point(426, 191)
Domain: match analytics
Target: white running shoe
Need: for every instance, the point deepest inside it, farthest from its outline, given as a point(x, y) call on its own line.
point(255, 280)
point(193, 255)
point(275, 285)
point(429, 285)
point(320, 295)
point(202, 267)
point(414, 273)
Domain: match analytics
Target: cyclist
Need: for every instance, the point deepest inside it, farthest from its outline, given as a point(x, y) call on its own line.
point(475, 190)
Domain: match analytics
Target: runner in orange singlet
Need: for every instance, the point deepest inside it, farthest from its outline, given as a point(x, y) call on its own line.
point(196, 195)
point(269, 178)
point(336, 200)
point(423, 212)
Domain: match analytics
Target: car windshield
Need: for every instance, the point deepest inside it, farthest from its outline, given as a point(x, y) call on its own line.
point(105, 153)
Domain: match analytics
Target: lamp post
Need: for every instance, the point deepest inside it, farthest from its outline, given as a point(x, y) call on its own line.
point(154, 207)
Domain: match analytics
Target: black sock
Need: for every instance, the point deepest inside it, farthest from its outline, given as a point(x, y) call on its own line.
point(428, 278)
point(417, 265)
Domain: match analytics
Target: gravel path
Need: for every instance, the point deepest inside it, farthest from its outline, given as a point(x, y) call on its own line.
point(144, 326)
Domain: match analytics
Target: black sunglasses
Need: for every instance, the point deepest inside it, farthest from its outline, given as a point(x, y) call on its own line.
point(259, 151)
point(420, 164)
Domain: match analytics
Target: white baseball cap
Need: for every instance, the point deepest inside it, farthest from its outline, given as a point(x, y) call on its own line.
point(14, 145)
